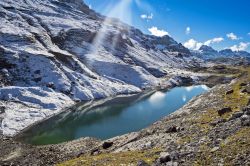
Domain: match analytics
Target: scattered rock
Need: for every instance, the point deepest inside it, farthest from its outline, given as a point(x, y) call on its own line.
point(172, 129)
point(164, 157)
point(245, 120)
point(2, 109)
point(224, 110)
point(5, 71)
point(245, 90)
point(171, 163)
point(215, 149)
point(95, 151)
point(243, 84)
point(246, 110)
point(107, 145)
point(51, 85)
point(148, 145)
point(236, 115)
point(142, 163)
point(77, 100)
point(230, 92)
point(218, 121)
point(174, 155)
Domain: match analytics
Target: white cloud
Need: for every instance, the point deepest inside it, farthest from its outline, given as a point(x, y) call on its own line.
point(232, 36)
point(157, 32)
point(193, 44)
point(249, 33)
point(188, 30)
point(214, 40)
point(241, 47)
point(147, 17)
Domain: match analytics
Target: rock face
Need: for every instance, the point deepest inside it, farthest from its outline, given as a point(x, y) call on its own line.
point(63, 47)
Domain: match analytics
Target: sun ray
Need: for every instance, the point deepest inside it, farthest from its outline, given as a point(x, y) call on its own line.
point(122, 10)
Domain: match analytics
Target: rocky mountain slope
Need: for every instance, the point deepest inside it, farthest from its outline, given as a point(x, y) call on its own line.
point(54, 53)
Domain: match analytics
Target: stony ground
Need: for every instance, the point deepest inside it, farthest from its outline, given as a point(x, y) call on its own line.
point(212, 129)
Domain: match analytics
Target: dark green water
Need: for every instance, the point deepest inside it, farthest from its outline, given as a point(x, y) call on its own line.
point(108, 118)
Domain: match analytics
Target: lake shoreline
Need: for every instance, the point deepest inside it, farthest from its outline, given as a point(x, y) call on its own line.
point(114, 116)
point(52, 153)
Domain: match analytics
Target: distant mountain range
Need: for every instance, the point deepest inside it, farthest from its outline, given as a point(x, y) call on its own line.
point(224, 56)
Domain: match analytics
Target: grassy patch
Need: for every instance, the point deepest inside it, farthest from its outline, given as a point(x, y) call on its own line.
point(236, 100)
point(237, 144)
point(114, 159)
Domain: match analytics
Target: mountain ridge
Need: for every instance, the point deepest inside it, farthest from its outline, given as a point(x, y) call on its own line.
point(225, 56)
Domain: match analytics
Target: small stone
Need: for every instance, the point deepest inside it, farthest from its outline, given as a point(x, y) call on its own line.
point(5, 71)
point(148, 145)
point(142, 163)
point(174, 155)
point(95, 151)
point(2, 109)
point(77, 100)
point(218, 121)
point(224, 110)
point(215, 149)
point(107, 145)
point(164, 157)
point(50, 85)
point(171, 163)
point(246, 110)
point(243, 84)
point(245, 120)
point(236, 115)
point(245, 90)
point(230, 92)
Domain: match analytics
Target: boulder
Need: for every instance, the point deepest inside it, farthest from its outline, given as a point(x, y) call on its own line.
point(236, 115)
point(245, 90)
point(246, 110)
point(172, 129)
point(229, 92)
point(107, 145)
point(2, 109)
point(224, 110)
point(243, 84)
point(164, 157)
point(245, 120)
point(94, 151)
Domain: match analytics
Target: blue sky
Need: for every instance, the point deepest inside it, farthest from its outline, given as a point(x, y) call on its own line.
point(218, 23)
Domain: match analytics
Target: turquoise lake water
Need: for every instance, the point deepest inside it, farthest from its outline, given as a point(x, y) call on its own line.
point(110, 117)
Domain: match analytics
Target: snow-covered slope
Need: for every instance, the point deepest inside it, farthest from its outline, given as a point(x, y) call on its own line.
point(59, 51)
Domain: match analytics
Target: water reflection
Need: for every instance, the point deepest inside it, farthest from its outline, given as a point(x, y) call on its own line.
point(109, 118)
